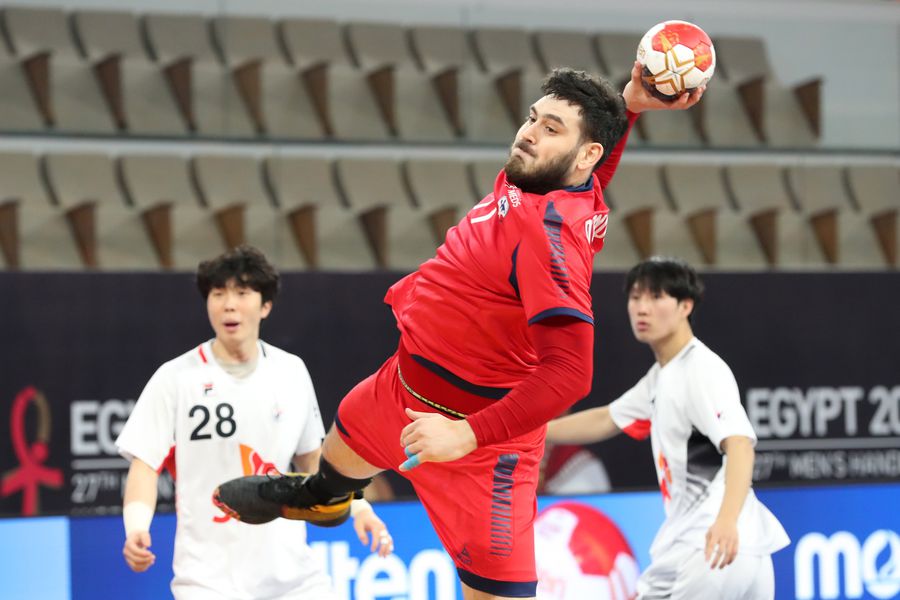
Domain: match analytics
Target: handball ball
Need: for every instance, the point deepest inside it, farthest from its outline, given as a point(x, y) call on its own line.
point(677, 57)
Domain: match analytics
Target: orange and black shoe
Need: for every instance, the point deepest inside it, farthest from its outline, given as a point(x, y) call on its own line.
point(259, 499)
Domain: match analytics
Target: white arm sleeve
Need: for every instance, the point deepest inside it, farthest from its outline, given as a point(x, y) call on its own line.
point(632, 410)
point(714, 402)
point(149, 433)
point(313, 430)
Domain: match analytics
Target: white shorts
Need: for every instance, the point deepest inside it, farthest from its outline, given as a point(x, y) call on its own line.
point(682, 573)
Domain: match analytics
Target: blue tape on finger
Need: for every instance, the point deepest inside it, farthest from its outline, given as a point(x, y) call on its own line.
point(411, 462)
point(408, 452)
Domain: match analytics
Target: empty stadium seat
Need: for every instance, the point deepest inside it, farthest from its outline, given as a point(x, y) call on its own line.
point(328, 234)
point(509, 82)
point(445, 56)
point(572, 49)
point(763, 202)
point(483, 173)
point(22, 79)
point(109, 233)
point(408, 102)
point(874, 189)
point(642, 221)
point(441, 191)
point(271, 91)
point(64, 87)
point(340, 91)
point(133, 87)
point(781, 117)
point(723, 238)
point(34, 234)
point(160, 189)
point(207, 99)
point(233, 188)
point(398, 232)
point(845, 237)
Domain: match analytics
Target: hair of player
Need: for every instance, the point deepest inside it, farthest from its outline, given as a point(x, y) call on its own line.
point(602, 107)
point(244, 264)
point(673, 276)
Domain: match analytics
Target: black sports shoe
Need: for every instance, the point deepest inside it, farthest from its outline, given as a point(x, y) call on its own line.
point(262, 498)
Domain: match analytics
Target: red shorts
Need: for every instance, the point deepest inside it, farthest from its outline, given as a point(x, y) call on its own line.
point(482, 506)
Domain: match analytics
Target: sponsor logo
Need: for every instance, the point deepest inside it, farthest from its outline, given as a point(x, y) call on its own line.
point(581, 553)
point(31, 473)
point(872, 567)
point(96, 425)
point(463, 556)
point(595, 227)
point(427, 575)
point(515, 196)
point(503, 206)
point(98, 471)
point(208, 389)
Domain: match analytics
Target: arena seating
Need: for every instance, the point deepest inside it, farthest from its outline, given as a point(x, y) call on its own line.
point(162, 138)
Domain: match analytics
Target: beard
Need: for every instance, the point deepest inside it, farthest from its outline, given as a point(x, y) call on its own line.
point(540, 179)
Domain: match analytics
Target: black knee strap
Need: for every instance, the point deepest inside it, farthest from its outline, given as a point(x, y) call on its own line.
point(328, 484)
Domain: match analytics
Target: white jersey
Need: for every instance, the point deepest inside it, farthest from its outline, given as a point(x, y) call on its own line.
point(219, 427)
point(688, 407)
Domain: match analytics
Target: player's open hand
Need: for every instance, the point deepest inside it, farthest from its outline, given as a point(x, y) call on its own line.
point(721, 543)
point(638, 99)
point(432, 437)
point(136, 552)
point(366, 523)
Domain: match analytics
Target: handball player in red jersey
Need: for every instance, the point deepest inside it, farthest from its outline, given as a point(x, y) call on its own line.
point(496, 340)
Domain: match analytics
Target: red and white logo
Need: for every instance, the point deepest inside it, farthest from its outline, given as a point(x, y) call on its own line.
point(595, 228)
point(581, 553)
point(31, 474)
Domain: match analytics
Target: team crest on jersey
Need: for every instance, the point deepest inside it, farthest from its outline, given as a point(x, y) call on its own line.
point(503, 206)
point(595, 228)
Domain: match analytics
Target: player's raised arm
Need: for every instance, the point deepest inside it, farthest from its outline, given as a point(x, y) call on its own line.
point(585, 427)
point(638, 100)
point(138, 507)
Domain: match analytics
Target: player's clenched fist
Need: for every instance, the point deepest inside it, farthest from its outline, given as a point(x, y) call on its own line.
point(432, 437)
point(136, 552)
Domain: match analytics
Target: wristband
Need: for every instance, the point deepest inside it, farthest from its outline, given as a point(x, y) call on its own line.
point(358, 506)
point(137, 516)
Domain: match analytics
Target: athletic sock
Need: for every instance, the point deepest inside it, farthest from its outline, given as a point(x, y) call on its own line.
point(328, 485)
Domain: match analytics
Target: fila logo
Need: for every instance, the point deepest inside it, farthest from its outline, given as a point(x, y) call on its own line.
point(595, 227)
point(207, 389)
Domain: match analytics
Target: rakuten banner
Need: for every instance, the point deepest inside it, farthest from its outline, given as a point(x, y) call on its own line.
point(845, 543)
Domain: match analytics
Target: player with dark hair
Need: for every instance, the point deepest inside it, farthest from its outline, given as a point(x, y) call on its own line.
point(233, 405)
point(496, 339)
point(690, 406)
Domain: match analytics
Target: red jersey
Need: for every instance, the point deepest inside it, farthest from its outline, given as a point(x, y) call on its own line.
point(515, 258)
